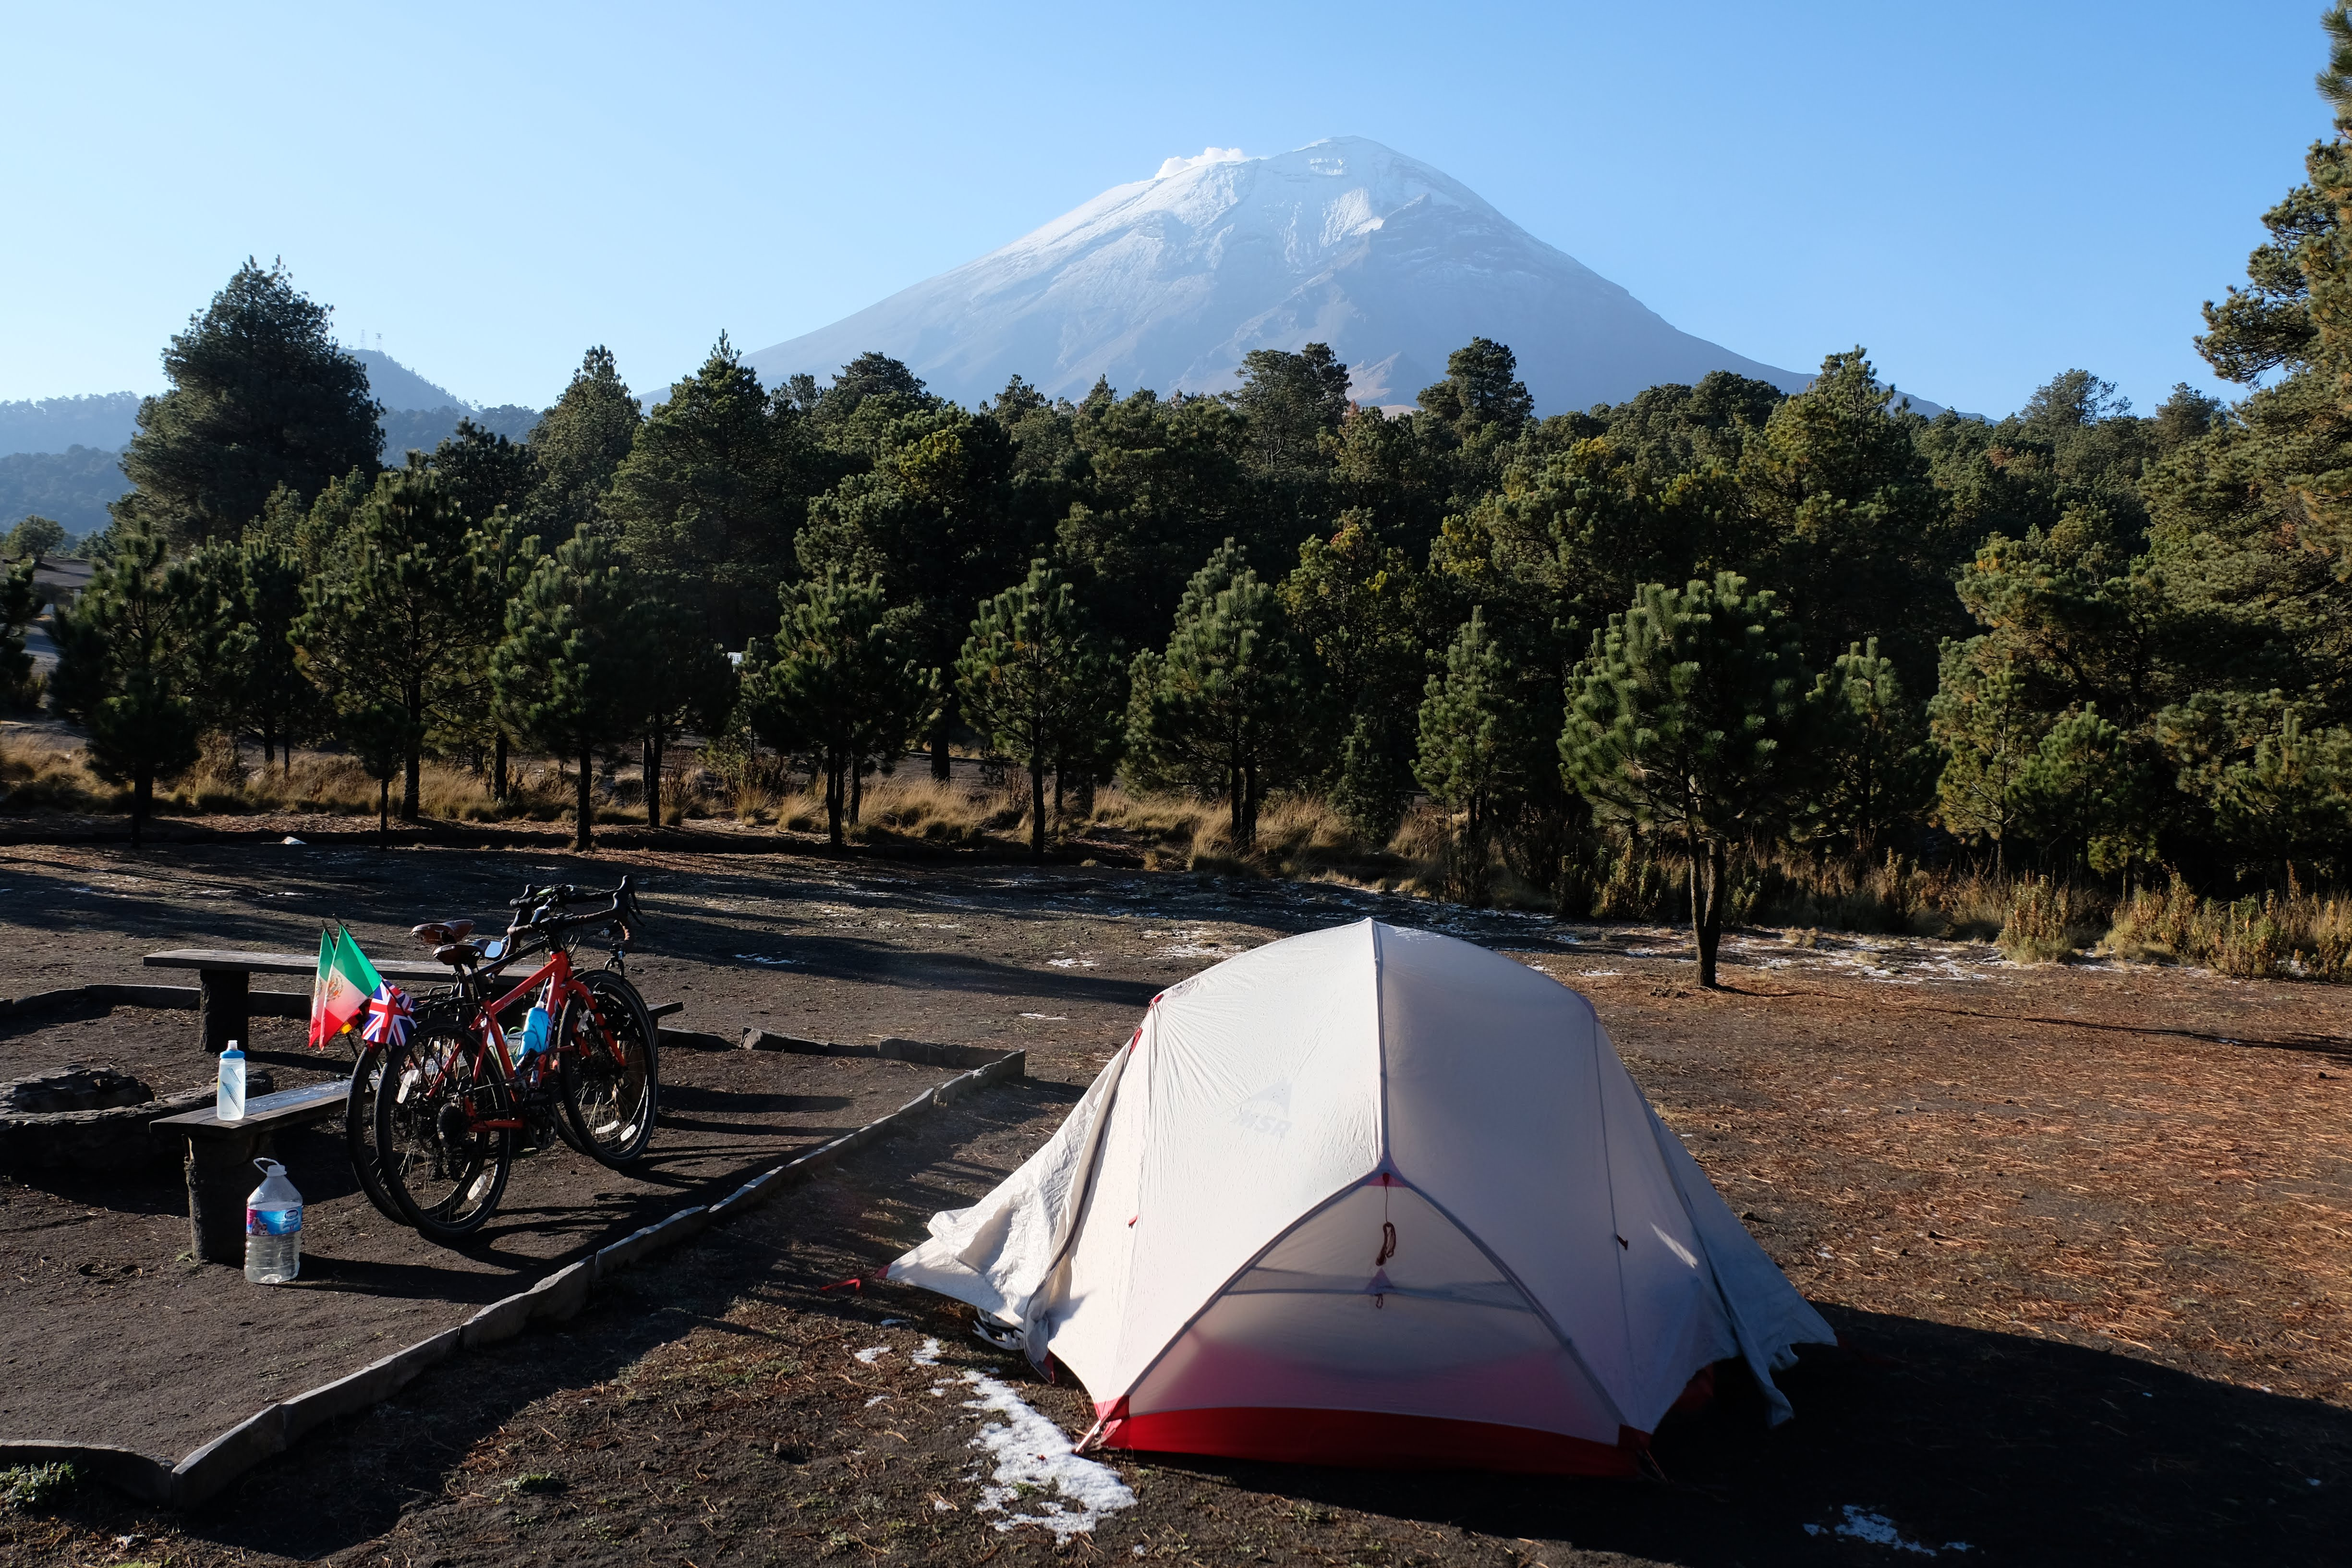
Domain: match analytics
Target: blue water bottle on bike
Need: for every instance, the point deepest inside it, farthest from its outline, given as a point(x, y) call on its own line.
point(538, 1028)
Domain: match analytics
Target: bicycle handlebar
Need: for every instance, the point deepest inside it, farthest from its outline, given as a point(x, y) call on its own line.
point(538, 908)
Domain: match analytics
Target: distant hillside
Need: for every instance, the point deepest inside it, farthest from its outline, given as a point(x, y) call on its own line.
point(72, 486)
point(422, 429)
point(399, 388)
point(104, 419)
point(75, 486)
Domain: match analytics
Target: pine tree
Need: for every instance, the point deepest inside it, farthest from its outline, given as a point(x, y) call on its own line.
point(1368, 615)
point(1221, 707)
point(1470, 750)
point(839, 683)
point(484, 471)
point(933, 516)
point(1980, 718)
point(126, 661)
point(1877, 767)
point(711, 493)
point(579, 444)
point(378, 736)
point(274, 696)
point(693, 689)
point(573, 673)
point(2087, 790)
point(1034, 681)
point(397, 622)
point(20, 606)
point(261, 396)
point(1692, 715)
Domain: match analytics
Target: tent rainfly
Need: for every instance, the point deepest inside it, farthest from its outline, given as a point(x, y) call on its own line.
point(1371, 1196)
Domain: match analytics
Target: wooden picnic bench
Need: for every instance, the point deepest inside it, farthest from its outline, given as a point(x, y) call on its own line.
point(224, 984)
point(221, 1153)
point(221, 1173)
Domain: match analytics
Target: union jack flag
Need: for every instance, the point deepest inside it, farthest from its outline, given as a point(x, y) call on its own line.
point(388, 1014)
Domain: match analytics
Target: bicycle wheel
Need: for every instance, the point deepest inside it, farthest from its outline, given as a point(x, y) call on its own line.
point(444, 1172)
point(358, 1131)
point(612, 1069)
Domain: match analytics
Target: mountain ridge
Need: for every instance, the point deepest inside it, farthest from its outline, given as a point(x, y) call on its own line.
point(1168, 282)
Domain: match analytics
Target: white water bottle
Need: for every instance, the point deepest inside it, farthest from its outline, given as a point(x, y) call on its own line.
point(230, 1104)
point(273, 1228)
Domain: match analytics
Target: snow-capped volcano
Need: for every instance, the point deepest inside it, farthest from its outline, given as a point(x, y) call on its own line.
point(1169, 281)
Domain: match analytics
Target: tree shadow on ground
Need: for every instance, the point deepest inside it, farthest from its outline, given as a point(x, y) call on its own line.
point(2026, 1451)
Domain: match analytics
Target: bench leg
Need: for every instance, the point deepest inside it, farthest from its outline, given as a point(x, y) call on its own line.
point(221, 1175)
point(223, 1008)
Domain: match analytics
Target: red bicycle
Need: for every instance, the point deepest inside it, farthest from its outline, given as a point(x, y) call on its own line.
point(452, 1100)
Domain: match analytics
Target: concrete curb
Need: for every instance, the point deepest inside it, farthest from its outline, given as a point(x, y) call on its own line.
point(260, 1004)
point(562, 1295)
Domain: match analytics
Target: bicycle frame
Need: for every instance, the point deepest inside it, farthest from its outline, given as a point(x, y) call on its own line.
point(486, 1032)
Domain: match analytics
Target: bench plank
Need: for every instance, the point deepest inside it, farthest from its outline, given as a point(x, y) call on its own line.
point(255, 963)
point(288, 1107)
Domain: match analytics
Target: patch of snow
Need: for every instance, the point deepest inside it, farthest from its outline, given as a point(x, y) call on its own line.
point(1048, 1017)
point(877, 1399)
point(872, 1353)
point(891, 1323)
point(1033, 1451)
point(1071, 962)
point(1861, 1524)
point(929, 1355)
point(769, 960)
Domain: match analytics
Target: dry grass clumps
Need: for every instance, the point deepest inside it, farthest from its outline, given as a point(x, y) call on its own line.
point(2048, 921)
point(41, 773)
point(2298, 934)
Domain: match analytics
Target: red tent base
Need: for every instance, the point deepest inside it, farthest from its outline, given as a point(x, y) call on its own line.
point(1369, 1439)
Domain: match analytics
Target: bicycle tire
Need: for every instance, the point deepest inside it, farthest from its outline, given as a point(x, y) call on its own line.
point(359, 1133)
point(612, 1105)
point(444, 1184)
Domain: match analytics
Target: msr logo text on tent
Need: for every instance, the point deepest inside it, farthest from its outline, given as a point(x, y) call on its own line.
point(1266, 1111)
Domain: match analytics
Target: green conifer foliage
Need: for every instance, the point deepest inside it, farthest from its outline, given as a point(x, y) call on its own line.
point(573, 670)
point(1471, 750)
point(1877, 767)
point(20, 606)
point(1368, 615)
point(1220, 709)
point(693, 688)
point(397, 621)
point(261, 396)
point(2087, 795)
point(579, 444)
point(1693, 716)
point(840, 683)
point(710, 494)
point(2278, 784)
point(1034, 682)
point(1980, 718)
point(129, 653)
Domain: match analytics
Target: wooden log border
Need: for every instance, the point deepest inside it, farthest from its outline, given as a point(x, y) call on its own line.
point(561, 1294)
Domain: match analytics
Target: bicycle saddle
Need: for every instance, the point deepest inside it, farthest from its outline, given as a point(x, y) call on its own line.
point(459, 952)
point(441, 934)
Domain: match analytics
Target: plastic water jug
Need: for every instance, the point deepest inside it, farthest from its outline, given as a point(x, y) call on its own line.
point(229, 1103)
point(273, 1227)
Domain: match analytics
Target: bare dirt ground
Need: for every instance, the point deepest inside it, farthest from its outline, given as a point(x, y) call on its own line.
point(192, 1349)
point(2087, 1232)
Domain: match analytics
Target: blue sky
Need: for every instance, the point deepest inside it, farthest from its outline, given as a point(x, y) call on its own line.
point(1982, 195)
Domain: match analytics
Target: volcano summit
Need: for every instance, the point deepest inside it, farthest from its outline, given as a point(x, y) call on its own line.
point(1168, 282)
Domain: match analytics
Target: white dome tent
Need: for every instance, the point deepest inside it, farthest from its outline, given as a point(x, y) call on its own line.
point(1372, 1196)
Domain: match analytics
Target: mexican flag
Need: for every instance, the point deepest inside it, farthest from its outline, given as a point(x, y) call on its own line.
point(345, 981)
